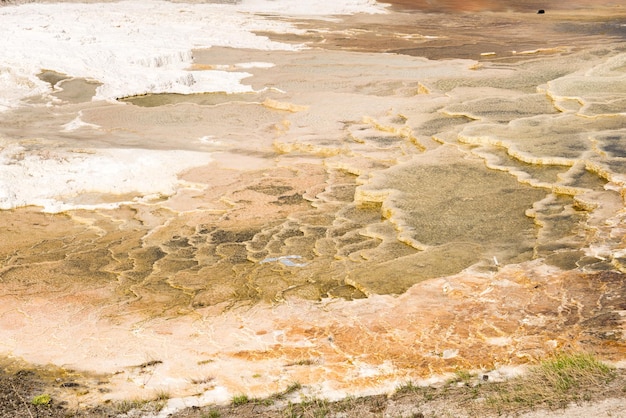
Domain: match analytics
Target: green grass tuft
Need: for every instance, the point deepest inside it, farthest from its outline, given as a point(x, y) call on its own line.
point(43, 399)
point(294, 387)
point(240, 400)
point(556, 382)
point(564, 372)
point(461, 376)
point(406, 388)
point(213, 413)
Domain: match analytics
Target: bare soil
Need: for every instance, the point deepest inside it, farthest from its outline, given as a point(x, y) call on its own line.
point(461, 398)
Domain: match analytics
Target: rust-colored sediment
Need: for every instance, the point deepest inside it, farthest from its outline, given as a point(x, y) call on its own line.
point(446, 6)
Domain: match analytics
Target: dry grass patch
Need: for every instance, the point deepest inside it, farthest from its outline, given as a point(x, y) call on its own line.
point(143, 406)
point(555, 383)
